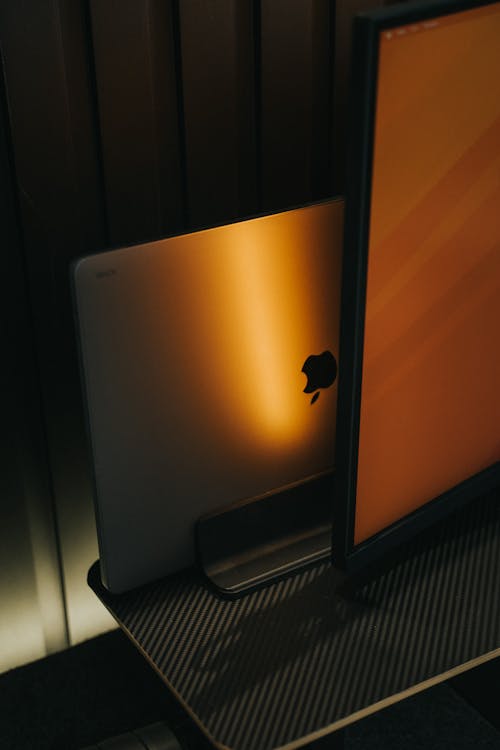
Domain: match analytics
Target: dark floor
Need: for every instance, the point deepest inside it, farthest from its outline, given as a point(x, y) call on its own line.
point(103, 687)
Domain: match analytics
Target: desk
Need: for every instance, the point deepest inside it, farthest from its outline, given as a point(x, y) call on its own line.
point(288, 664)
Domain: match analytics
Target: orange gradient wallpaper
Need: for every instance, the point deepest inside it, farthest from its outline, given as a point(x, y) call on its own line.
point(430, 399)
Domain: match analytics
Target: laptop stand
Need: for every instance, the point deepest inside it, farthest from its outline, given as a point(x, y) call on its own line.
point(248, 544)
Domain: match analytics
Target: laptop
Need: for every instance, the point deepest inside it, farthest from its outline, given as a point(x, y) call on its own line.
point(209, 371)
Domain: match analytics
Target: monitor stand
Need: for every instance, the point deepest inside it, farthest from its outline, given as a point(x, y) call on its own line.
point(251, 543)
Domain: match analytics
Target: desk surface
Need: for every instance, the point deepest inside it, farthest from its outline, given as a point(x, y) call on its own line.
point(310, 654)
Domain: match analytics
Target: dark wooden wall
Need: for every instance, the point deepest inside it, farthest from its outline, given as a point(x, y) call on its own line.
point(125, 120)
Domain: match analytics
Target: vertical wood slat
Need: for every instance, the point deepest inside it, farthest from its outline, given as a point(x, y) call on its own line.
point(57, 168)
point(296, 53)
point(217, 52)
point(21, 624)
point(138, 114)
point(32, 621)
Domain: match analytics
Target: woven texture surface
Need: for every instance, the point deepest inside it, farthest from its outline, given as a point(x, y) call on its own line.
point(303, 654)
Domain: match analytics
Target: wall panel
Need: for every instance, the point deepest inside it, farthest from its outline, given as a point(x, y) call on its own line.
point(296, 55)
point(137, 91)
point(21, 625)
point(32, 613)
point(217, 59)
point(54, 138)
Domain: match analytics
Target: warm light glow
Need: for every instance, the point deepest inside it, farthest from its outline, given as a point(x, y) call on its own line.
point(87, 616)
point(271, 298)
point(21, 631)
point(251, 301)
point(260, 314)
point(262, 327)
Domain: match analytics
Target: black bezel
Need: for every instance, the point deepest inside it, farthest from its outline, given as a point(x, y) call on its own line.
point(346, 554)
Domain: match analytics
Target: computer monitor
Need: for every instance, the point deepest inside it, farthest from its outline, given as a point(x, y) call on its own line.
point(418, 430)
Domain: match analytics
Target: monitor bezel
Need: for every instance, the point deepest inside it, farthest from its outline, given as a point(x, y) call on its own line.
point(364, 72)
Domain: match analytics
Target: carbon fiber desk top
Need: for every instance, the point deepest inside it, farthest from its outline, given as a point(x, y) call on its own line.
point(310, 654)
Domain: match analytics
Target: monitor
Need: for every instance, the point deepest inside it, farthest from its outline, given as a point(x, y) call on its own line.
point(418, 430)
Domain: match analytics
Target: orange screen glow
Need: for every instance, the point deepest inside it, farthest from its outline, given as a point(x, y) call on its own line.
point(430, 397)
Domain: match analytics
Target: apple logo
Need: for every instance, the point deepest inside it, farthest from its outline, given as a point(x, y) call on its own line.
point(320, 371)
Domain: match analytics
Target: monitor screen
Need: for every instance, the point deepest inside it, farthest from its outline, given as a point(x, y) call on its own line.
point(426, 363)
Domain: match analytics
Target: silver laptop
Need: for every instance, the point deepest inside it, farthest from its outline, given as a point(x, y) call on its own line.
point(208, 364)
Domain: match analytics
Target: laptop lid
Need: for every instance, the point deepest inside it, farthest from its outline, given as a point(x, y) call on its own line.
point(208, 365)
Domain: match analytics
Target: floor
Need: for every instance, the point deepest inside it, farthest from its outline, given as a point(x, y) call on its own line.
point(103, 687)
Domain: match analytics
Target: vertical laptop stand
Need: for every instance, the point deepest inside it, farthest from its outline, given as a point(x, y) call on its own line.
point(242, 547)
